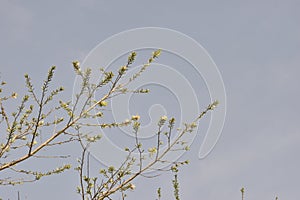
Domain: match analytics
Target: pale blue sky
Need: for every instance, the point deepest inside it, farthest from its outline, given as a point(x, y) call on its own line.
point(256, 46)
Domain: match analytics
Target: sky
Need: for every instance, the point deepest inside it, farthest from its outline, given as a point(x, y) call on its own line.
point(255, 45)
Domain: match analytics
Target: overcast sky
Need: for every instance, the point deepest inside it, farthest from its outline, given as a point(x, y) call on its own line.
point(255, 45)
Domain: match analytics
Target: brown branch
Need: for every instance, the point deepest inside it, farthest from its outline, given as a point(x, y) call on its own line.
point(186, 129)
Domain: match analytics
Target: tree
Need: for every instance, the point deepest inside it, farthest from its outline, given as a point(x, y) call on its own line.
point(42, 122)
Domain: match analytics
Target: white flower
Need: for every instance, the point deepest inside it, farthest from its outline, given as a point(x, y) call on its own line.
point(135, 117)
point(164, 118)
point(131, 186)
